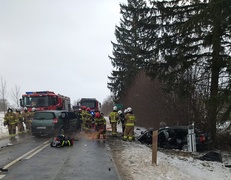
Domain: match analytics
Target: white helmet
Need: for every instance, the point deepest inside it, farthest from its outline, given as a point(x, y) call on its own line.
point(120, 112)
point(125, 111)
point(115, 108)
point(18, 110)
point(9, 109)
point(33, 109)
point(25, 108)
point(129, 109)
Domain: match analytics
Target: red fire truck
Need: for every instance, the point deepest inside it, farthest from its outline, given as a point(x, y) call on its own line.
point(92, 103)
point(45, 100)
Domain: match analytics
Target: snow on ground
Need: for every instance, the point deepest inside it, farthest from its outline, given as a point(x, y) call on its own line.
point(3, 129)
point(137, 161)
point(134, 161)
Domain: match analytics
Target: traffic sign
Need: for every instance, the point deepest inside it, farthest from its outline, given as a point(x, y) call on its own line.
point(119, 106)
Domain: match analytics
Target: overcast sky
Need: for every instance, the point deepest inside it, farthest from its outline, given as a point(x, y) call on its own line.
point(58, 45)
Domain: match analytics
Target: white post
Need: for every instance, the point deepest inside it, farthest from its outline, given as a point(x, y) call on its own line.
point(191, 139)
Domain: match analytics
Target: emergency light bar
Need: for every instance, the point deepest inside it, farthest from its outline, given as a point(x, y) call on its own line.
point(39, 92)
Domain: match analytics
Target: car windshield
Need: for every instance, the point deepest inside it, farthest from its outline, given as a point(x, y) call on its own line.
point(35, 101)
point(44, 115)
point(89, 104)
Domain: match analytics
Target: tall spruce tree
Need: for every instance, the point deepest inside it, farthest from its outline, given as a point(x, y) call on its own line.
point(132, 48)
point(193, 50)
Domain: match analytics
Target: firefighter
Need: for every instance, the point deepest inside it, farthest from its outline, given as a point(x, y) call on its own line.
point(79, 120)
point(27, 119)
point(122, 120)
point(20, 125)
point(84, 117)
point(100, 125)
point(130, 121)
point(33, 110)
point(88, 118)
point(114, 117)
point(10, 119)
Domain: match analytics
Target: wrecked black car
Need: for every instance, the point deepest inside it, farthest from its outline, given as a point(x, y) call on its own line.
point(175, 137)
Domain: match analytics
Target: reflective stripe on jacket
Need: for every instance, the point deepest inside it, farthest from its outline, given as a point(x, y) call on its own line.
point(100, 120)
point(130, 120)
point(113, 116)
point(10, 118)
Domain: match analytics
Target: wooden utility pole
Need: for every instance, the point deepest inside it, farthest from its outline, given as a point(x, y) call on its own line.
point(154, 146)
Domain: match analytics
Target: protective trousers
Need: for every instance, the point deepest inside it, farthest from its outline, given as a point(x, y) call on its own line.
point(114, 128)
point(28, 125)
point(101, 130)
point(20, 127)
point(12, 131)
point(129, 133)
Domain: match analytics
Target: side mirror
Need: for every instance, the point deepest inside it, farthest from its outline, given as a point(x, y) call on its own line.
point(20, 100)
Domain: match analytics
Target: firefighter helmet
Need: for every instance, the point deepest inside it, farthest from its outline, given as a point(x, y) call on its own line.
point(88, 109)
point(9, 109)
point(120, 112)
point(125, 111)
point(129, 109)
point(84, 107)
point(33, 109)
point(97, 115)
point(25, 108)
point(18, 110)
point(115, 108)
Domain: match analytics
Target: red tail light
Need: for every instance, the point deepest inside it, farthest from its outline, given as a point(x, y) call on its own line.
point(202, 138)
point(55, 120)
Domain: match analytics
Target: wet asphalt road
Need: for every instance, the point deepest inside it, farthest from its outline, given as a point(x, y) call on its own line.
point(33, 158)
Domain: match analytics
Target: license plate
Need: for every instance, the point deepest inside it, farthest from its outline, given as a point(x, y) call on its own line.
point(41, 127)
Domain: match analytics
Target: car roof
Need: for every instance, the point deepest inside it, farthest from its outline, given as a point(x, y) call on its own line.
point(54, 111)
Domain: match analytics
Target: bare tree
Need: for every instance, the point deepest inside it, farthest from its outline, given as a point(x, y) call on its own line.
point(107, 105)
point(15, 95)
point(74, 102)
point(3, 95)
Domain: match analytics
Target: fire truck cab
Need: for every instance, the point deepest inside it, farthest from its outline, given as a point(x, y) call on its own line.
point(92, 103)
point(45, 100)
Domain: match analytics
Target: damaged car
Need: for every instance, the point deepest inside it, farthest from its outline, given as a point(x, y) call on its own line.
point(175, 137)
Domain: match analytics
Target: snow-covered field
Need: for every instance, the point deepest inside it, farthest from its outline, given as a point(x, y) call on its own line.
point(3, 129)
point(134, 162)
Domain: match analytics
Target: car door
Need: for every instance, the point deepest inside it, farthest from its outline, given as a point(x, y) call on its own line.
point(72, 121)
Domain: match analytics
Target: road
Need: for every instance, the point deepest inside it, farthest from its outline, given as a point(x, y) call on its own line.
point(33, 158)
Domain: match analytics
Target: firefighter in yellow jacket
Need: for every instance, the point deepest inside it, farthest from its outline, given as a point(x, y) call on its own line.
point(10, 119)
point(114, 118)
point(27, 119)
point(100, 124)
point(84, 118)
point(20, 125)
point(130, 121)
point(88, 119)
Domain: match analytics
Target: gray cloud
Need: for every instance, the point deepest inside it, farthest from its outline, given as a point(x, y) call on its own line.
point(58, 45)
